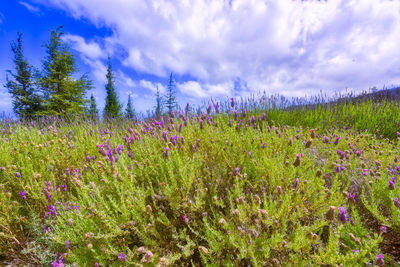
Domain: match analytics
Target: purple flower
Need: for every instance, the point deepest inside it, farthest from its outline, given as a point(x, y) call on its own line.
point(185, 219)
point(337, 140)
point(164, 134)
point(232, 102)
point(396, 202)
point(18, 175)
point(23, 196)
point(391, 185)
point(250, 154)
point(166, 153)
point(67, 244)
point(352, 197)
point(237, 171)
point(342, 215)
point(379, 260)
point(76, 207)
point(235, 115)
point(263, 145)
point(296, 183)
point(122, 257)
point(383, 229)
point(357, 251)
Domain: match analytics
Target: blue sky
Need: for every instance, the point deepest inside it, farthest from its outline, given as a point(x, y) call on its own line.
point(215, 48)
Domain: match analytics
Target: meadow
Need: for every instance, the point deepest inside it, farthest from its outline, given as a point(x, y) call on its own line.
point(245, 183)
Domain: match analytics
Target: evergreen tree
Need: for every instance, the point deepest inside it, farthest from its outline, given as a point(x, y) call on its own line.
point(26, 101)
point(64, 95)
point(159, 102)
point(170, 101)
point(129, 112)
point(112, 107)
point(93, 112)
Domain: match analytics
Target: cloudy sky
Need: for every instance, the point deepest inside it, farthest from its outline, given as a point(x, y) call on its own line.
point(214, 48)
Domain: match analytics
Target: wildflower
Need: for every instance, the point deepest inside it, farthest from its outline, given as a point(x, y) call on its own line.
point(166, 153)
point(357, 251)
point(18, 175)
point(337, 140)
point(391, 185)
point(396, 159)
point(263, 145)
point(67, 244)
point(232, 102)
point(165, 136)
point(250, 154)
point(237, 171)
point(2, 168)
point(351, 197)
point(296, 183)
point(222, 221)
point(280, 191)
point(297, 160)
point(141, 250)
point(290, 141)
point(342, 215)
point(383, 229)
point(235, 115)
point(379, 260)
point(185, 219)
point(76, 207)
point(313, 134)
point(204, 214)
point(147, 257)
point(396, 202)
point(330, 214)
point(23, 196)
point(122, 257)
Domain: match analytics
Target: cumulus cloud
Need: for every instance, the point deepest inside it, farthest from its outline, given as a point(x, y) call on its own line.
point(152, 86)
point(31, 8)
point(280, 46)
point(91, 50)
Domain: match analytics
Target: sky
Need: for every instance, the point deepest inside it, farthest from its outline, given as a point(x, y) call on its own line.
point(213, 48)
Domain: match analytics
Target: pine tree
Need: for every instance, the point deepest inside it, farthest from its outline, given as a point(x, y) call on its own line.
point(129, 112)
point(112, 107)
point(170, 101)
point(64, 95)
point(26, 101)
point(159, 102)
point(93, 112)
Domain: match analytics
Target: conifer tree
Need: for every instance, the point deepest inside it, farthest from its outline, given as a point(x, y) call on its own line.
point(25, 99)
point(159, 103)
point(170, 101)
point(129, 112)
point(93, 112)
point(63, 94)
point(112, 107)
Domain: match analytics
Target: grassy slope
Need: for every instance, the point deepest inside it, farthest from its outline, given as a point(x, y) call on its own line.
point(231, 216)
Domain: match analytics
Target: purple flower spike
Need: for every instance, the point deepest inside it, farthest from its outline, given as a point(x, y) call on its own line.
point(296, 183)
point(379, 260)
point(237, 171)
point(383, 229)
point(391, 185)
point(122, 257)
point(396, 202)
point(263, 145)
point(342, 215)
point(67, 244)
point(250, 154)
point(185, 219)
point(166, 153)
point(18, 175)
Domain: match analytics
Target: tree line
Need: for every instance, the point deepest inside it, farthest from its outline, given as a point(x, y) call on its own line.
point(54, 90)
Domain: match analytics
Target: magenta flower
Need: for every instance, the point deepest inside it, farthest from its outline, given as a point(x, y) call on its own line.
point(23, 196)
point(379, 260)
point(18, 175)
point(337, 140)
point(263, 145)
point(185, 219)
point(67, 244)
point(122, 257)
point(237, 171)
point(250, 154)
point(342, 215)
point(352, 197)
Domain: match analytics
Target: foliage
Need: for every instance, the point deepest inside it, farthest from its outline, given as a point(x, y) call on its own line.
point(170, 99)
point(130, 111)
point(63, 94)
point(159, 104)
point(26, 101)
point(112, 107)
point(93, 111)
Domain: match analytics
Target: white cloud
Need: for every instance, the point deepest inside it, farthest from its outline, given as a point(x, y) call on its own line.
point(152, 86)
point(281, 46)
point(31, 8)
point(91, 50)
point(197, 90)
